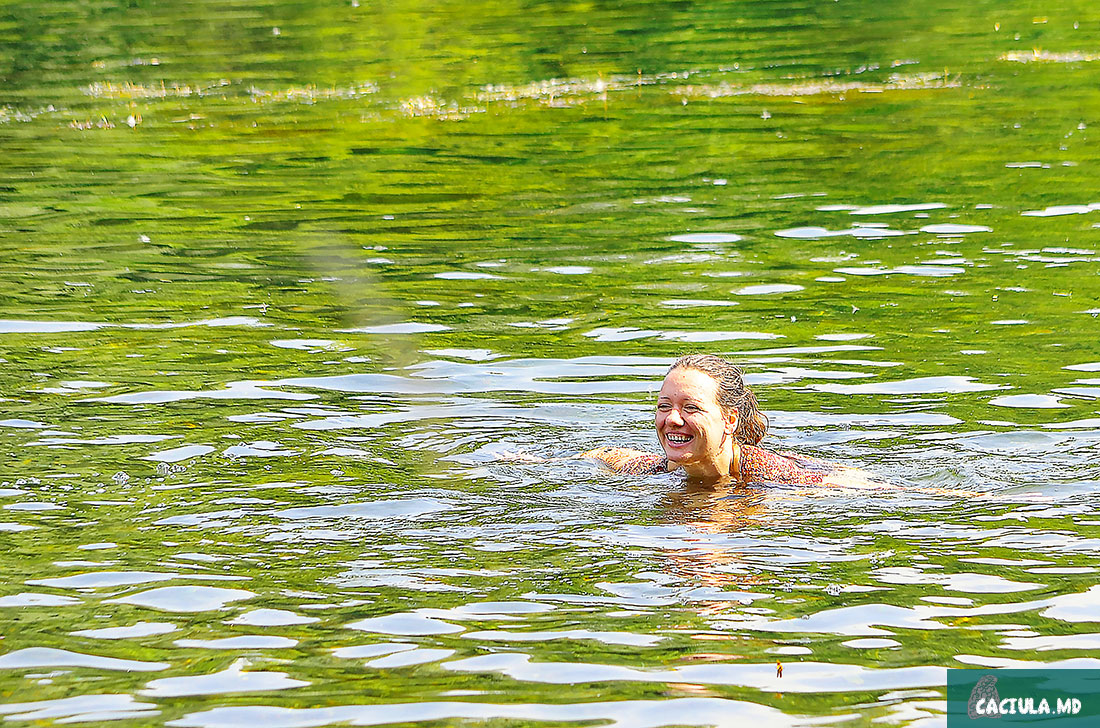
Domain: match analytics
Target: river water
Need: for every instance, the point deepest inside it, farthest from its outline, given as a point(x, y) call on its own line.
point(304, 306)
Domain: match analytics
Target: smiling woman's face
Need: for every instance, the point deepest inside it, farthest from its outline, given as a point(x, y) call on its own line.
point(693, 431)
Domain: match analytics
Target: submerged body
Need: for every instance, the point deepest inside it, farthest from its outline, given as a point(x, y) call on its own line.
point(756, 465)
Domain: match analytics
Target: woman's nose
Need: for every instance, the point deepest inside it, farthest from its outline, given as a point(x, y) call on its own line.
point(674, 417)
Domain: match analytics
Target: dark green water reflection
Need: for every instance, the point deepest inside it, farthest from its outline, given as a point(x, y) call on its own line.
point(285, 286)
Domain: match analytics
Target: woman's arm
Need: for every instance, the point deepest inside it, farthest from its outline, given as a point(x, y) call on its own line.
point(624, 460)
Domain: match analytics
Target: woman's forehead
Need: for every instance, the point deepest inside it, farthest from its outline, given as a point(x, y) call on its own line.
point(689, 383)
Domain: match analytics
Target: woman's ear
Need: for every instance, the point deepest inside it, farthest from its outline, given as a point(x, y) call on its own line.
point(731, 423)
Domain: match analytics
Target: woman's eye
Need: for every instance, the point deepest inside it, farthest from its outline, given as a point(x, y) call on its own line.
point(663, 407)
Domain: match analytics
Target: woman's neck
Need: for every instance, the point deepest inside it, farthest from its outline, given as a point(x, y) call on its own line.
point(726, 464)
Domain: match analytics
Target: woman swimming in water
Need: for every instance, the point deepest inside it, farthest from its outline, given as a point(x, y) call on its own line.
point(709, 425)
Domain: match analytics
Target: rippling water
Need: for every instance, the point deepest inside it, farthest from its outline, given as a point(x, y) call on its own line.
point(304, 306)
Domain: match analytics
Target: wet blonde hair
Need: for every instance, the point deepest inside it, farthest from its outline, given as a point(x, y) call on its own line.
point(733, 396)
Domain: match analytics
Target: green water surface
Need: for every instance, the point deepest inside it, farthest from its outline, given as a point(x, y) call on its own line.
point(295, 297)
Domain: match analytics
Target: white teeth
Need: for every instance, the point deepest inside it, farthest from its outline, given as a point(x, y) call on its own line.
point(678, 439)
